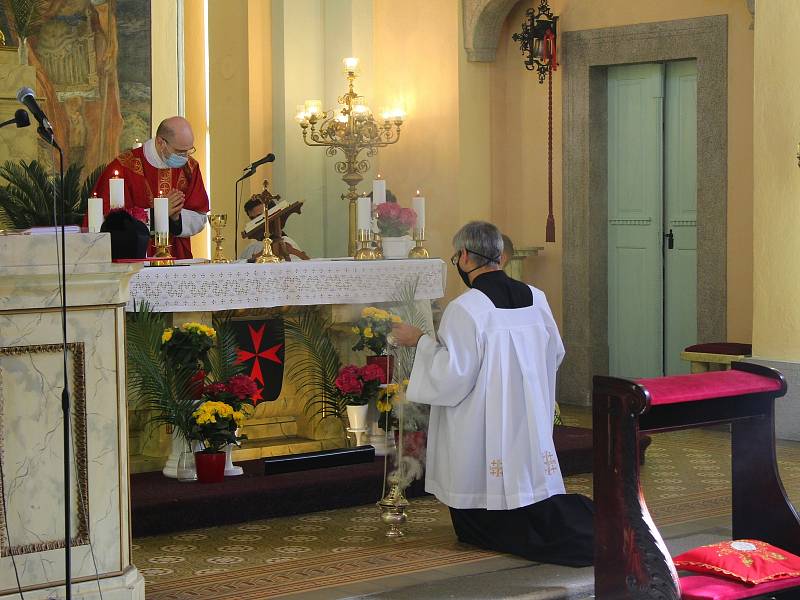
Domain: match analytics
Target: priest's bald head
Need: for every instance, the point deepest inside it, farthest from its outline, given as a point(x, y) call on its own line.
point(175, 141)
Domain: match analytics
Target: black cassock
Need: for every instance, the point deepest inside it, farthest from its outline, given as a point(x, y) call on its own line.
point(558, 530)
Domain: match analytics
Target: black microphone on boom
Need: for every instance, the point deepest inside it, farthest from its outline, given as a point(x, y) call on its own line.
point(26, 97)
point(21, 118)
point(253, 166)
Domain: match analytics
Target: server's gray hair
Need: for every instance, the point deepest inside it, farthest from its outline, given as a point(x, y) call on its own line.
point(481, 238)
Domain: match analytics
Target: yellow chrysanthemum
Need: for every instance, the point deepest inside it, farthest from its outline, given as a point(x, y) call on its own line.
point(396, 319)
point(384, 405)
point(369, 311)
point(166, 336)
point(368, 332)
point(200, 328)
point(392, 389)
point(356, 330)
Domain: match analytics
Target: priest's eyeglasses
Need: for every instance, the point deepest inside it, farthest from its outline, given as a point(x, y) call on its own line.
point(188, 152)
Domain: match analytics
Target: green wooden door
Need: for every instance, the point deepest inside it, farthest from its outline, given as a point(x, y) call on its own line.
point(680, 210)
point(651, 192)
point(635, 101)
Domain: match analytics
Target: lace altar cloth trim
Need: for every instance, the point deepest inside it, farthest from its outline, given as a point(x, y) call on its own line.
point(209, 287)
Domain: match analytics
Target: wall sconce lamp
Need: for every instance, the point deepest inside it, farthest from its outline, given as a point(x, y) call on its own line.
point(538, 40)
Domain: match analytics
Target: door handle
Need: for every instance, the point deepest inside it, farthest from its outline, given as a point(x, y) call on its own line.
point(670, 239)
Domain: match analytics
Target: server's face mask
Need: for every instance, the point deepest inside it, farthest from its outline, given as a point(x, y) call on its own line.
point(465, 274)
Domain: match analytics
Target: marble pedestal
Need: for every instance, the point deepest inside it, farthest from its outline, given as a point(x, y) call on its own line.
point(31, 439)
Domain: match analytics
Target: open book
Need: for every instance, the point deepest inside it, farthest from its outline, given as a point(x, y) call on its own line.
point(282, 207)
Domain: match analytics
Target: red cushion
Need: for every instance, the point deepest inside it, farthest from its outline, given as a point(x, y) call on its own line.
point(703, 386)
point(748, 561)
point(732, 348)
point(706, 587)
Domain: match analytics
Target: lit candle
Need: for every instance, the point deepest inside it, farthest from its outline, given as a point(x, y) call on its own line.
point(116, 187)
point(364, 212)
point(378, 190)
point(95, 213)
point(350, 64)
point(313, 107)
point(161, 206)
point(418, 204)
point(137, 143)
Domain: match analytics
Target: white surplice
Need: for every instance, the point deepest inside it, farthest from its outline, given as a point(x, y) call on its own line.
point(490, 381)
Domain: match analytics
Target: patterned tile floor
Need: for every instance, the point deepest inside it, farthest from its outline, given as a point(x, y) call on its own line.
point(686, 479)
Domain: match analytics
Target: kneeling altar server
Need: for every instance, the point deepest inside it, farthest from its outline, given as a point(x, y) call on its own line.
point(490, 380)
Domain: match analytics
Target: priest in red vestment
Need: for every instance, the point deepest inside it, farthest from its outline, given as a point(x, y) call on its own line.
point(163, 166)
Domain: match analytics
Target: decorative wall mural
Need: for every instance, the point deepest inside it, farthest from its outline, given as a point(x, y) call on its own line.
point(93, 65)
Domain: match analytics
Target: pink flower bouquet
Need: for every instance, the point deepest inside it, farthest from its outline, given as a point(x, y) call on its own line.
point(394, 220)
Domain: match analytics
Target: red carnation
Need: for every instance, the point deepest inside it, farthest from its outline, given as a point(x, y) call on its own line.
point(242, 386)
point(348, 381)
point(214, 389)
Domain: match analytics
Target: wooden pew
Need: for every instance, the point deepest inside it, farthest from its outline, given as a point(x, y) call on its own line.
point(631, 559)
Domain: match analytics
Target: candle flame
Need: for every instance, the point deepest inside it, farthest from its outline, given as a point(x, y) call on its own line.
point(116, 173)
point(418, 192)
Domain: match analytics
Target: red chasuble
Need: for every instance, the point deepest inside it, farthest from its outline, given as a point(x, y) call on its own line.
point(143, 182)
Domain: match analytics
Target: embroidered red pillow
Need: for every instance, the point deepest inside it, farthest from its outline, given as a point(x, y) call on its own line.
point(749, 561)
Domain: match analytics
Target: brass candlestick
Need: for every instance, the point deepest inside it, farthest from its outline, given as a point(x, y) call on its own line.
point(365, 251)
point(161, 242)
point(218, 223)
point(418, 251)
point(376, 238)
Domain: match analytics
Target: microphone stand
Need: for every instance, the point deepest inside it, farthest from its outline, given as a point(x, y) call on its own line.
point(49, 137)
point(247, 173)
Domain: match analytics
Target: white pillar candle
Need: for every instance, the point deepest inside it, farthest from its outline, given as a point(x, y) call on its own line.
point(116, 187)
point(161, 206)
point(418, 204)
point(364, 212)
point(378, 191)
point(95, 214)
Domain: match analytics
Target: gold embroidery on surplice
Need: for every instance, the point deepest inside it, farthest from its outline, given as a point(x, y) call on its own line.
point(550, 464)
point(496, 468)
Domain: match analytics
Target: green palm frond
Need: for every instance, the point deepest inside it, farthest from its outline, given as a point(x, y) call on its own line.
point(406, 306)
point(315, 371)
point(28, 200)
point(166, 391)
point(223, 357)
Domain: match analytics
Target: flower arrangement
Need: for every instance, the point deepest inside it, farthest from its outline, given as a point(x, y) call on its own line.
point(215, 424)
point(188, 345)
point(358, 385)
point(394, 220)
point(372, 328)
point(236, 391)
point(385, 405)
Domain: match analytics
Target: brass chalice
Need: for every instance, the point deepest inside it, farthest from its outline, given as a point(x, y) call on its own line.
point(218, 223)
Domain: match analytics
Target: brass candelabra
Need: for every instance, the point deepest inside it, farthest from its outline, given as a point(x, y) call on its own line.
point(350, 129)
point(163, 256)
point(267, 257)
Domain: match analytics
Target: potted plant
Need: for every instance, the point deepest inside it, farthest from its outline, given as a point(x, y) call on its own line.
point(357, 386)
point(395, 222)
point(372, 327)
point(214, 425)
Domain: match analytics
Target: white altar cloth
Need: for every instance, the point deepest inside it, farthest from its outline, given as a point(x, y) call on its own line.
point(212, 287)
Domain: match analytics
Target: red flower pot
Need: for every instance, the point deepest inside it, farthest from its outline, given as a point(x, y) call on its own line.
point(386, 363)
point(210, 466)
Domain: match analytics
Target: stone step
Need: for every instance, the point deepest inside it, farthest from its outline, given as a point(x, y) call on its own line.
point(270, 427)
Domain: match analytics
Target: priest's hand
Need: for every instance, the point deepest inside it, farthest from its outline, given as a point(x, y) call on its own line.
point(404, 334)
point(176, 199)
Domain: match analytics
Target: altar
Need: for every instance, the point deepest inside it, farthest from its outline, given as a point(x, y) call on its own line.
point(341, 287)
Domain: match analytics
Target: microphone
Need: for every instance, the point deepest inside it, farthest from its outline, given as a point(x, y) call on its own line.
point(268, 158)
point(26, 97)
point(21, 118)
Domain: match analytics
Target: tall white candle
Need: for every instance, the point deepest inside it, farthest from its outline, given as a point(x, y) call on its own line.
point(95, 214)
point(161, 206)
point(116, 187)
point(364, 212)
point(418, 204)
point(378, 191)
